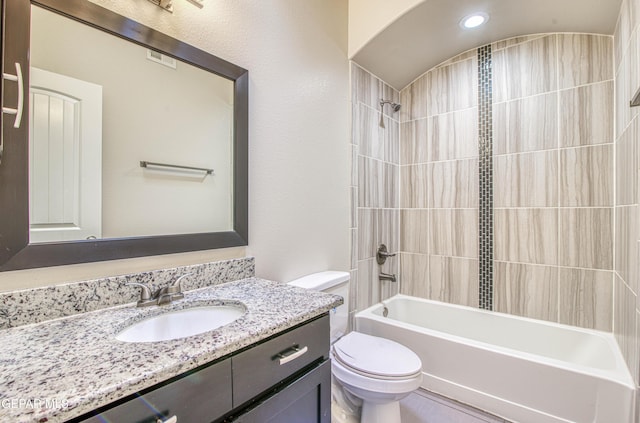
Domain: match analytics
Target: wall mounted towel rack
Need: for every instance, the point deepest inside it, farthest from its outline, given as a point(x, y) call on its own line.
point(144, 163)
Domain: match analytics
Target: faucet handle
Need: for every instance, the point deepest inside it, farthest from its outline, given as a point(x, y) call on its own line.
point(176, 286)
point(382, 254)
point(145, 291)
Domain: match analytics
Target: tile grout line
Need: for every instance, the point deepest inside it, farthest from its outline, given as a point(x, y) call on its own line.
point(523, 263)
point(617, 135)
point(450, 112)
point(510, 100)
point(516, 153)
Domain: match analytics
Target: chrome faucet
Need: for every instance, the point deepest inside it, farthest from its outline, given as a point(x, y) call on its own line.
point(160, 296)
point(387, 277)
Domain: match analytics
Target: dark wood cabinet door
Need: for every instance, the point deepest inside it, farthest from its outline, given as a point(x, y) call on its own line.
point(305, 400)
point(261, 367)
point(14, 168)
point(202, 396)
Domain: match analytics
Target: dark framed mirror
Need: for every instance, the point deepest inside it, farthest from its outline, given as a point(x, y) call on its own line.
point(169, 136)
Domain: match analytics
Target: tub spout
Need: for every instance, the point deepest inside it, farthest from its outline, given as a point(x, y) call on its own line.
point(387, 277)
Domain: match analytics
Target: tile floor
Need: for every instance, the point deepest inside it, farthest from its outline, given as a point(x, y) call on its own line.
point(427, 407)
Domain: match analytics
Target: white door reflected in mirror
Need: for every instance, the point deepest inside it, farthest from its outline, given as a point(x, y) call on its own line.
point(65, 156)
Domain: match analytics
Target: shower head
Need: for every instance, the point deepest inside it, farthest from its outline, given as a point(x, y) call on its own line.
point(394, 106)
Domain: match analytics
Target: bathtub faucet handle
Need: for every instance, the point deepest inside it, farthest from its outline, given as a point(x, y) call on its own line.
point(383, 254)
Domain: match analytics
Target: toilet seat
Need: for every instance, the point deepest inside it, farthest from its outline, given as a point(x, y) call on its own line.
point(376, 358)
point(368, 388)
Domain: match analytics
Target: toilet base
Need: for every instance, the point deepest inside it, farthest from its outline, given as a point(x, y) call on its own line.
point(381, 413)
point(343, 407)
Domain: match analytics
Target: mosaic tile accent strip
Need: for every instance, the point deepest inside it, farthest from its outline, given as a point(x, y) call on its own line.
point(36, 305)
point(485, 163)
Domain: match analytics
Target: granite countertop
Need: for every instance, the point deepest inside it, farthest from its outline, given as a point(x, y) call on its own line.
point(60, 369)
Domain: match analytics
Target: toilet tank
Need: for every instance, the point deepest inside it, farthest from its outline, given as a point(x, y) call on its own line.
point(331, 282)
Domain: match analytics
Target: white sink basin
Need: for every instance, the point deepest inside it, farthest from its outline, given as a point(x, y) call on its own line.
point(181, 323)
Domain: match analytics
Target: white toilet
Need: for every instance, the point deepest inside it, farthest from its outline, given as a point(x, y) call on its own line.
point(376, 371)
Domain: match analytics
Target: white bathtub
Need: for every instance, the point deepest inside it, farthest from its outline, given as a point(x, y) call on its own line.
point(523, 370)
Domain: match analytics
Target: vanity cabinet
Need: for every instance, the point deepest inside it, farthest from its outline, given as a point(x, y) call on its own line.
point(260, 367)
point(284, 379)
point(305, 400)
point(198, 396)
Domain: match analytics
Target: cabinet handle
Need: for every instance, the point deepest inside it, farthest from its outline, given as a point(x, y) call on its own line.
point(18, 110)
point(173, 419)
point(291, 354)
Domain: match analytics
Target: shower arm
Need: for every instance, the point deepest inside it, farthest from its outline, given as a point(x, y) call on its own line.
point(394, 106)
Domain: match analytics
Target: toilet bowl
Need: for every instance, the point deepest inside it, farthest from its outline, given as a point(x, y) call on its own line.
point(379, 371)
point(374, 372)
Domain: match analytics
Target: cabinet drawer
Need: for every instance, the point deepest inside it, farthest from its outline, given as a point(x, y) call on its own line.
point(200, 396)
point(266, 364)
point(306, 400)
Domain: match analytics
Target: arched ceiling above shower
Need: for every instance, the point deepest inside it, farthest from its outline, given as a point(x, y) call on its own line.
point(430, 32)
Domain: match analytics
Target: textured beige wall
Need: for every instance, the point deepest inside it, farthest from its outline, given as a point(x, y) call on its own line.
point(296, 54)
point(369, 17)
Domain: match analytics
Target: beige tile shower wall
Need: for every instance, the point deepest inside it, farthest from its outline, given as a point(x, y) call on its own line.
point(627, 232)
point(439, 183)
point(554, 179)
point(375, 188)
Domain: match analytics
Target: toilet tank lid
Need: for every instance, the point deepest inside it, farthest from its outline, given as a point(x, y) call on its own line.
point(321, 281)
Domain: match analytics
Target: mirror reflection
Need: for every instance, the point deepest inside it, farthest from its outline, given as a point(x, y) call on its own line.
point(99, 107)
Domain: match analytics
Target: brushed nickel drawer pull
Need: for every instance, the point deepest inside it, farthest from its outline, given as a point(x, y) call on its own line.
point(291, 354)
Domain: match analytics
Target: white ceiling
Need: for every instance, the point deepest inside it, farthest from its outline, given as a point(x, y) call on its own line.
point(430, 33)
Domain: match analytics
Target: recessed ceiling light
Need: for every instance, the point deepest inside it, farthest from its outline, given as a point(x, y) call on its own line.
point(474, 20)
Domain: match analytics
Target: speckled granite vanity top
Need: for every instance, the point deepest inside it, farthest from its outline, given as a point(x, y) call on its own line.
point(76, 364)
